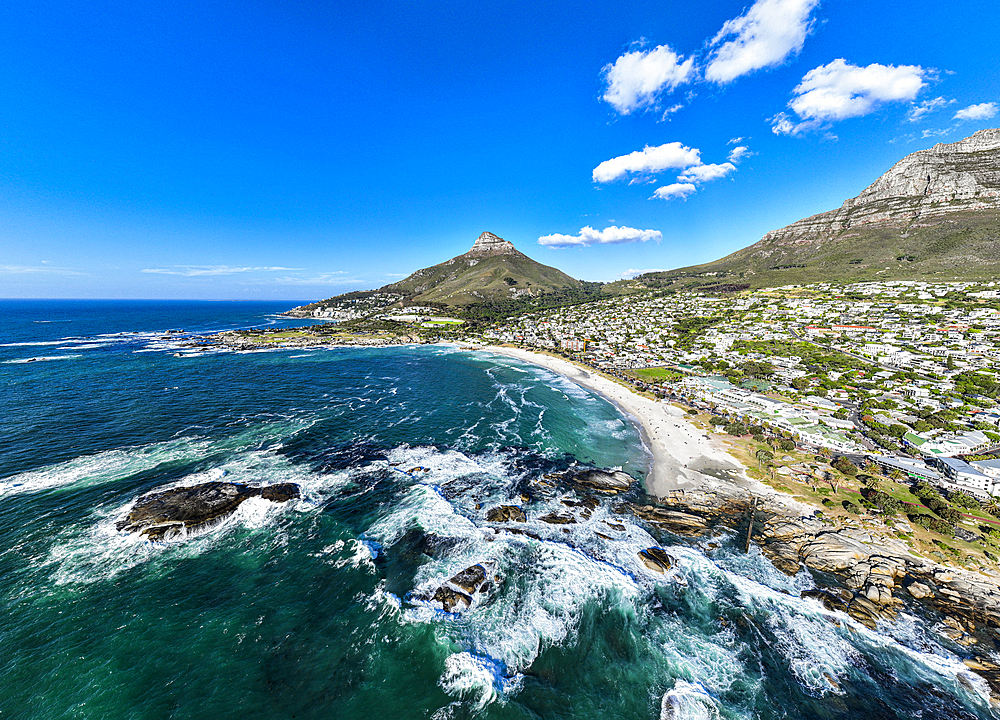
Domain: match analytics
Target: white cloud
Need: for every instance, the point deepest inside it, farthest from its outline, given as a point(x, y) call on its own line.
point(608, 236)
point(764, 36)
point(670, 111)
point(44, 268)
point(735, 140)
point(649, 160)
point(637, 78)
point(632, 272)
point(200, 270)
point(738, 153)
point(681, 190)
point(839, 90)
point(982, 111)
point(918, 110)
point(337, 277)
point(704, 173)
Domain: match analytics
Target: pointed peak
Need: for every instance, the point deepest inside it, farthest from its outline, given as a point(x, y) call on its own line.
point(490, 244)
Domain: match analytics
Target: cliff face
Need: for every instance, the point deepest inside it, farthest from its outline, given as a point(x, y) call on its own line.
point(924, 185)
point(934, 215)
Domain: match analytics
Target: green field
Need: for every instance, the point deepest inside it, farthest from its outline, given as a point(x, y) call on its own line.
point(656, 374)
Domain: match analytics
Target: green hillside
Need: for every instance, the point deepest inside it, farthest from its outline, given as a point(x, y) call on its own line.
point(963, 245)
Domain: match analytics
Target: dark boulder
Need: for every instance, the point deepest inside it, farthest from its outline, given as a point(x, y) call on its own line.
point(656, 559)
point(610, 481)
point(457, 594)
point(506, 513)
point(163, 515)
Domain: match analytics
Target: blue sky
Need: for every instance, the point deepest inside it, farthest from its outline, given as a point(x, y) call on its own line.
point(299, 150)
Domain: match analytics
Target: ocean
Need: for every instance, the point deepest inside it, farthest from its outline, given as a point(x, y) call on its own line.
point(319, 607)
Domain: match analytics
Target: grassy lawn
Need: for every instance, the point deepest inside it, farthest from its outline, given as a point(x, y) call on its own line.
point(655, 374)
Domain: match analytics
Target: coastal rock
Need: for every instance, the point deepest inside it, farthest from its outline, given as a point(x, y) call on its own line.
point(676, 522)
point(506, 513)
point(458, 592)
point(163, 515)
point(656, 559)
point(556, 518)
point(919, 590)
point(609, 481)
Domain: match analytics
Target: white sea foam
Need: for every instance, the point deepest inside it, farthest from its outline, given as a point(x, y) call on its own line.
point(471, 678)
point(688, 701)
point(41, 358)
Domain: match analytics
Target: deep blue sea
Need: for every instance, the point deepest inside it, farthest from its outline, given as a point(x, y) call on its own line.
point(317, 608)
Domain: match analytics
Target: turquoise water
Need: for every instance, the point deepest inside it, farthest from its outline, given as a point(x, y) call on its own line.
point(315, 609)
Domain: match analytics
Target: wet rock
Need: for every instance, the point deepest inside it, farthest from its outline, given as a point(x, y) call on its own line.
point(452, 600)
point(557, 518)
point(163, 515)
point(679, 523)
point(457, 594)
point(610, 481)
point(506, 513)
point(830, 598)
point(989, 671)
point(656, 559)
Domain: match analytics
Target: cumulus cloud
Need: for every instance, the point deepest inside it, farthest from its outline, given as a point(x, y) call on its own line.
point(839, 90)
point(763, 37)
point(738, 153)
point(704, 173)
point(637, 78)
point(918, 110)
point(199, 270)
point(608, 236)
point(676, 190)
point(982, 111)
point(648, 160)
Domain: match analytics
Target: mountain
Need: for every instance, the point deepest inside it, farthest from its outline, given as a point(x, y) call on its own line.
point(493, 276)
point(934, 214)
point(492, 269)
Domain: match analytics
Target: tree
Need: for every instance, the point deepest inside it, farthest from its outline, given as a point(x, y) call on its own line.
point(897, 430)
point(845, 466)
point(763, 456)
point(787, 445)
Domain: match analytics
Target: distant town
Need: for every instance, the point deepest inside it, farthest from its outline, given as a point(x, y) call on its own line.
point(897, 368)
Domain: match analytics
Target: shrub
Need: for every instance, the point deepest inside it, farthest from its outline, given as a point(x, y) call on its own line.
point(885, 502)
point(950, 514)
point(737, 429)
point(787, 445)
point(990, 531)
point(852, 508)
point(845, 466)
point(963, 499)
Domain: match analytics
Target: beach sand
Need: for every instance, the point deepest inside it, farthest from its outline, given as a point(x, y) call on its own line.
point(684, 457)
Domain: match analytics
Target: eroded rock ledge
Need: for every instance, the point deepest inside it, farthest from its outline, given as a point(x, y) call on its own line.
point(875, 570)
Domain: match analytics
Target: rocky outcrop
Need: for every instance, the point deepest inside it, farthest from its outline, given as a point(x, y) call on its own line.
point(489, 244)
point(164, 515)
point(656, 559)
point(458, 592)
point(874, 570)
point(603, 480)
point(506, 513)
point(946, 178)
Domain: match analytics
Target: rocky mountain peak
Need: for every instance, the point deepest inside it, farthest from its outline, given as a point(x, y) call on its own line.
point(924, 185)
point(490, 244)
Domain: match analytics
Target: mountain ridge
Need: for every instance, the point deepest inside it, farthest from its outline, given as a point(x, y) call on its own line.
point(934, 212)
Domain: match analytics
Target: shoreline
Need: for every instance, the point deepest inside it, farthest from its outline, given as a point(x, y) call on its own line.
point(684, 458)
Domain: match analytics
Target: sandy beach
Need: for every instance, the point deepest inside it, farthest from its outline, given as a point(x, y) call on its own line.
point(684, 457)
